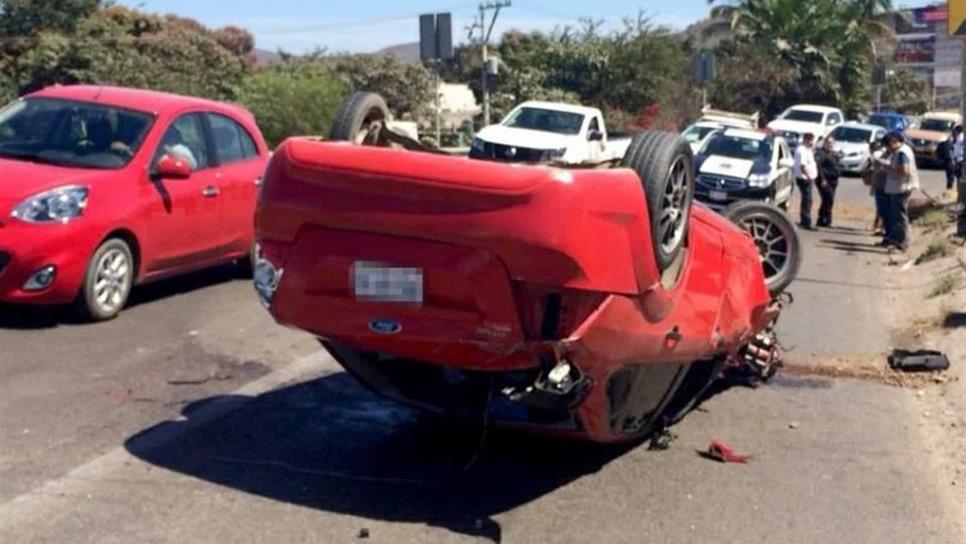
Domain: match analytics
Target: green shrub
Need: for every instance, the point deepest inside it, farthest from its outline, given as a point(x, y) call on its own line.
point(291, 101)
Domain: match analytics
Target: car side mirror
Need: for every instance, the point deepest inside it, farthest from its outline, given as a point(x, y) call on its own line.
point(173, 168)
point(595, 136)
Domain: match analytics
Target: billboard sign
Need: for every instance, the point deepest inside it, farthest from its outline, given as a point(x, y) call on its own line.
point(919, 49)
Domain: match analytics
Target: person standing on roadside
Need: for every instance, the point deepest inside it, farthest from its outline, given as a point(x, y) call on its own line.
point(874, 177)
point(805, 171)
point(957, 156)
point(945, 155)
point(827, 160)
point(902, 177)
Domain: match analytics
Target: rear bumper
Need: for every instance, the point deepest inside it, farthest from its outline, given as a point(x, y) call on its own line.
point(28, 248)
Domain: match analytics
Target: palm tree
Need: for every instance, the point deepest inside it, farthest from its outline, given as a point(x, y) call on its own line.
point(830, 43)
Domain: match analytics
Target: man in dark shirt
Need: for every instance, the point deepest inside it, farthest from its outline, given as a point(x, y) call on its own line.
point(828, 180)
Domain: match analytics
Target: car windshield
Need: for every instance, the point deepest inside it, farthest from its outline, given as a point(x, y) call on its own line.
point(937, 125)
point(69, 133)
point(560, 122)
point(695, 134)
point(738, 148)
point(884, 121)
point(803, 115)
point(852, 135)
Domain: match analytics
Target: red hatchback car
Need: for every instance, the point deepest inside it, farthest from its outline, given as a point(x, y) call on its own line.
point(102, 188)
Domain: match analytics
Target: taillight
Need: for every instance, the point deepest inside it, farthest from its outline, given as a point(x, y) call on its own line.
point(552, 313)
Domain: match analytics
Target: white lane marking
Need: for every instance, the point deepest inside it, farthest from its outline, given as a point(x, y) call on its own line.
point(36, 504)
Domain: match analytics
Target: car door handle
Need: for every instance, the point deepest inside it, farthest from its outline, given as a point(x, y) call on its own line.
point(210, 191)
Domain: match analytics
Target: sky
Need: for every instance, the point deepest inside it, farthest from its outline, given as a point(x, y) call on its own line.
point(369, 25)
point(301, 26)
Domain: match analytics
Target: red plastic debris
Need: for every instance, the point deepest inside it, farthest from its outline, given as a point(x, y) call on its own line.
point(719, 451)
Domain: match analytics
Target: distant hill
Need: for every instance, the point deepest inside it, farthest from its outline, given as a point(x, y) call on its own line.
point(263, 57)
point(405, 52)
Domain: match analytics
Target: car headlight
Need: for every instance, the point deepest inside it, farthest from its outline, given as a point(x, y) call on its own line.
point(478, 145)
point(58, 205)
point(552, 154)
point(759, 180)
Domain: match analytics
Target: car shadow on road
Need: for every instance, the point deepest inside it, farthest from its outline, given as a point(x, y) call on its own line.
point(332, 445)
point(25, 317)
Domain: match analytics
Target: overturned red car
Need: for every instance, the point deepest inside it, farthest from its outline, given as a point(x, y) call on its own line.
point(595, 302)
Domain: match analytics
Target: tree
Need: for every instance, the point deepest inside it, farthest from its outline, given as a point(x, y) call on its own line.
point(119, 46)
point(828, 44)
point(905, 92)
point(289, 98)
point(637, 69)
point(407, 88)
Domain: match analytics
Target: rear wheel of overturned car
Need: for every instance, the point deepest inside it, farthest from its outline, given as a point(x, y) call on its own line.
point(107, 282)
point(775, 236)
point(664, 163)
point(360, 119)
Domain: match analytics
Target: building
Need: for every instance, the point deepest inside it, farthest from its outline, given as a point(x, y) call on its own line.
point(922, 46)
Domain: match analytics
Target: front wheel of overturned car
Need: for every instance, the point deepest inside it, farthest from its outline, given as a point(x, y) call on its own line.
point(775, 237)
point(360, 118)
point(107, 281)
point(664, 163)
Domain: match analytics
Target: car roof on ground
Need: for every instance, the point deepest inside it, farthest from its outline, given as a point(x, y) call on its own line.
point(559, 106)
point(813, 107)
point(155, 102)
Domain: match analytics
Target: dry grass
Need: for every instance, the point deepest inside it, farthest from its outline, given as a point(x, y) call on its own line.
point(938, 248)
point(945, 285)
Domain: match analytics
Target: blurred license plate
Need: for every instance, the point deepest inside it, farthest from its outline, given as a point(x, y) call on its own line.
point(718, 195)
point(378, 282)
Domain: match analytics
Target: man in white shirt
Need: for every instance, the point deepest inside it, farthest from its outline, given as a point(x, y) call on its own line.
point(805, 171)
point(902, 178)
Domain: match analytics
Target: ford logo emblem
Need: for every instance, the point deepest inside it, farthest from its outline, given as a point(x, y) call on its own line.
point(385, 326)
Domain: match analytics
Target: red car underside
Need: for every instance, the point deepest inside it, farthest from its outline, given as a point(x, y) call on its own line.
point(524, 267)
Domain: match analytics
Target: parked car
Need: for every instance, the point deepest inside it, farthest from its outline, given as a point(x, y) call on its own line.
point(740, 164)
point(802, 119)
point(711, 120)
point(595, 303)
point(925, 136)
point(549, 132)
point(890, 121)
point(852, 141)
point(106, 187)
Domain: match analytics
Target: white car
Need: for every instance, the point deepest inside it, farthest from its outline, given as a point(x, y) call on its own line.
point(698, 133)
point(712, 120)
point(540, 132)
point(852, 141)
point(740, 164)
point(802, 119)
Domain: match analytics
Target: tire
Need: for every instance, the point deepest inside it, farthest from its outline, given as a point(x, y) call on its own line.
point(665, 165)
point(355, 115)
point(776, 238)
point(113, 263)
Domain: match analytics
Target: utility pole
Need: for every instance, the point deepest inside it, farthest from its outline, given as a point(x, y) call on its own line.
point(485, 30)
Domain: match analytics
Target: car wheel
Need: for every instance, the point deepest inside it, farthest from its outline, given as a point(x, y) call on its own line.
point(107, 281)
point(359, 119)
point(665, 165)
point(775, 237)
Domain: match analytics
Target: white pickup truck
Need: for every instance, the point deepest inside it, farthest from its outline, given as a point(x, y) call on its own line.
point(541, 132)
point(803, 119)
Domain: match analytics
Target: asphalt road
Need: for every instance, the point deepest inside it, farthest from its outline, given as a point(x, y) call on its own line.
point(193, 418)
